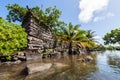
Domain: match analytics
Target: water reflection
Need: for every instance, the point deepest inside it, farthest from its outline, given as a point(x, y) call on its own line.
point(106, 63)
point(114, 61)
point(105, 66)
point(76, 70)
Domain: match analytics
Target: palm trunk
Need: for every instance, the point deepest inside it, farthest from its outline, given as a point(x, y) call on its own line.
point(70, 48)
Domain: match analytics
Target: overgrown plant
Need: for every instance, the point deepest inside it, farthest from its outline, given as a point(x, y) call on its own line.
point(12, 38)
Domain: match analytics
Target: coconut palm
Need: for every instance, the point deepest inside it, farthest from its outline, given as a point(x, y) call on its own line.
point(72, 35)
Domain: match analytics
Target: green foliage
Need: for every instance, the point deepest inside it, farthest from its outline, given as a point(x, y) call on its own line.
point(12, 37)
point(48, 17)
point(90, 35)
point(8, 57)
point(16, 13)
point(72, 35)
point(91, 41)
point(113, 48)
point(112, 37)
point(101, 47)
point(110, 48)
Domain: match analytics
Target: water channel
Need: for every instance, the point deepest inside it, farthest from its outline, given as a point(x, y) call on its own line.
point(105, 66)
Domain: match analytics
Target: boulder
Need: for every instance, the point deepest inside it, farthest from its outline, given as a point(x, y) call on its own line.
point(38, 67)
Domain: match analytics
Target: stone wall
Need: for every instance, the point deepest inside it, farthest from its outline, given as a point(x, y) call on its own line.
point(39, 37)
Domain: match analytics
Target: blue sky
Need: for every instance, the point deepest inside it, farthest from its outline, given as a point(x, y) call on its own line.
point(98, 15)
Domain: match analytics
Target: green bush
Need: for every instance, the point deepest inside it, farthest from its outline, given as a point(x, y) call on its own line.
point(12, 38)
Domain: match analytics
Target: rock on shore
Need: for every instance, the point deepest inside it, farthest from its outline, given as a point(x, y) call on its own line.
point(38, 67)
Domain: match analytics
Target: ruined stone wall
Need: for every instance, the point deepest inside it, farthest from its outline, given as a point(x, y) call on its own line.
point(39, 37)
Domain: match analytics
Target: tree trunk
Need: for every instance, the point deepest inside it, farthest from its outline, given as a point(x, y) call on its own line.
point(70, 48)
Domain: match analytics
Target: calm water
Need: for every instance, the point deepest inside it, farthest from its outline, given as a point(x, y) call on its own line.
point(105, 66)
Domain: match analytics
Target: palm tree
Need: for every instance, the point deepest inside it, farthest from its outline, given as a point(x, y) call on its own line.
point(73, 35)
point(90, 35)
point(91, 40)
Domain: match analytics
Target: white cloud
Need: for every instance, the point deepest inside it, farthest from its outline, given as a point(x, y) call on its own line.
point(89, 7)
point(98, 18)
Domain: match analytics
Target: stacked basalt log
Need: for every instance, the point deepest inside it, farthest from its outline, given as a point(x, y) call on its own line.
point(39, 37)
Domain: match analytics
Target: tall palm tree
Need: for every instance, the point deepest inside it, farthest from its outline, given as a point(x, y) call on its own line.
point(72, 34)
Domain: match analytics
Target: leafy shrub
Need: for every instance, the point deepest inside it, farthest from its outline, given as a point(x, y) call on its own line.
point(12, 37)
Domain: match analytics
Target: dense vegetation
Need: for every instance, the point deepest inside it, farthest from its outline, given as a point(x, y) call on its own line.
point(112, 37)
point(110, 47)
point(12, 38)
point(73, 35)
point(50, 17)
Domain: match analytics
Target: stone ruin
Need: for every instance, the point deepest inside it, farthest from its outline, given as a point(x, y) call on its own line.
point(39, 37)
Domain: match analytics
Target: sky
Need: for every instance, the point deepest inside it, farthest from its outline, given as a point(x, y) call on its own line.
point(100, 16)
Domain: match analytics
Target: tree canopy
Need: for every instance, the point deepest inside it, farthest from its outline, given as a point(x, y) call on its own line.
point(73, 35)
point(49, 16)
point(112, 37)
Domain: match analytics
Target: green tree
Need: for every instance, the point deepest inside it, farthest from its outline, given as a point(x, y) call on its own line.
point(12, 38)
point(112, 37)
point(16, 13)
point(48, 17)
point(72, 34)
point(57, 31)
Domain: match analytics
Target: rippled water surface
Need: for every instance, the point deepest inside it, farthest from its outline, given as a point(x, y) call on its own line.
point(105, 66)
